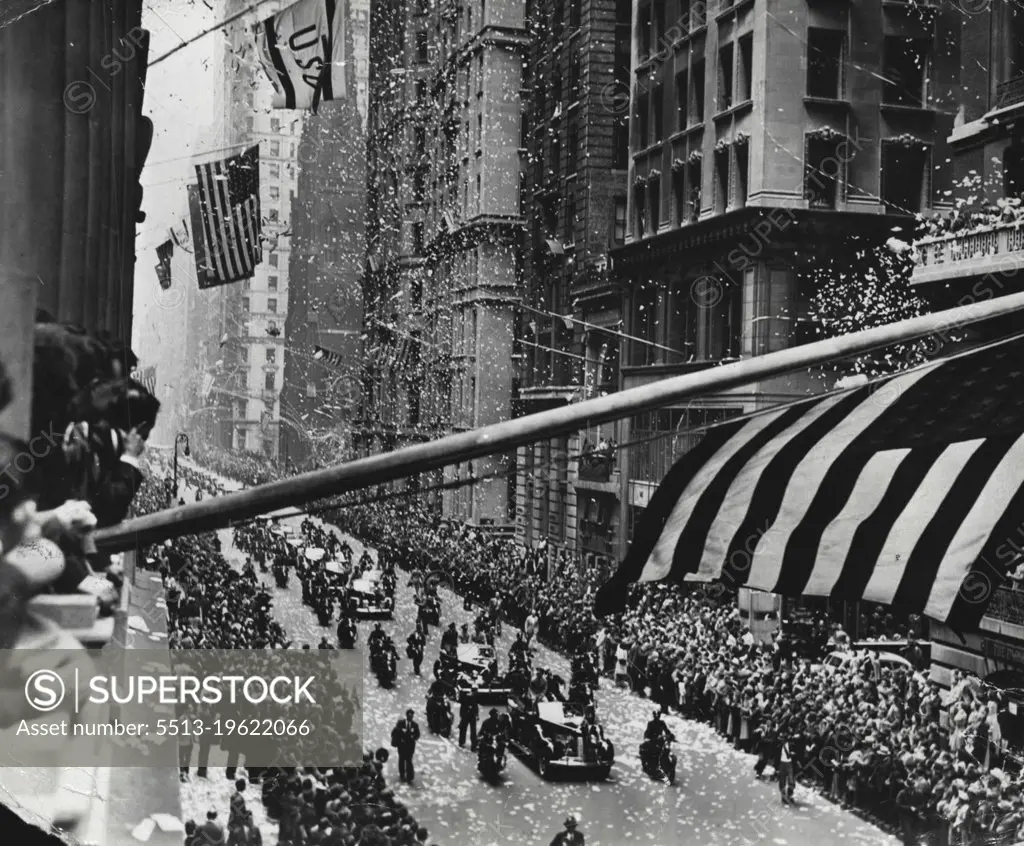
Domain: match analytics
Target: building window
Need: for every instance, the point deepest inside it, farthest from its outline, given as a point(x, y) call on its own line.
point(642, 117)
point(242, 444)
point(272, 305)
point(693, 185)
point(682, 100)
point(658, 104)
point(822, 173)
point(311, 389)
point(275, 124)
point(419, 186)
point(905, 184)
point(245, 303)
point(275, 171)
point(250, 124)
point(725, 77)
point(421, 91)
point(574, 76)
point(826, 56)
point(640, 206)
point(644, 25)
point(417, 237)
point(721, 181)
point(572, 144)
point(272, 258)
point(745, 87)
point(647, 326)
point(275, 192)
point(654, 196)
point(271, 353)
point(422, 54)
point(250, 101)
point(479, 195)
point(272, 283)
point(243, 353)
point(274, 215)
point(268, 381)
point(905, 71)
point(679, 196)
point(556, 89)
point(742, 173)
point(556, 154)
point(620, 143)
point(242, 409)
point(619, 230)
point(275, 148)
point(575, 14)
point(557, 20)
point(479, 131)
point(697, 92)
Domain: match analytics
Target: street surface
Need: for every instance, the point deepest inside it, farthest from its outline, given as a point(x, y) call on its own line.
point(716, 799)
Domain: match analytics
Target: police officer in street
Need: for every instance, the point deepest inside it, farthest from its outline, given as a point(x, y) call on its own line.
point(469, 711)
point(571, 836)
point(414, 649)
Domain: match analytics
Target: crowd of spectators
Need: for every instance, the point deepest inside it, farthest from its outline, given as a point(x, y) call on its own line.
point(212, 605)
point(965, 220)
point(871, 737)
point(882, 740)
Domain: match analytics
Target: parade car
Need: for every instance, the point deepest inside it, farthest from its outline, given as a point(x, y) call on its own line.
point(550, 736)
point(371, 601)
point(474, 659)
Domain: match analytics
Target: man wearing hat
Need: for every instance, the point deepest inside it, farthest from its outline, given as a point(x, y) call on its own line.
point(469, 711)
point(571, 836)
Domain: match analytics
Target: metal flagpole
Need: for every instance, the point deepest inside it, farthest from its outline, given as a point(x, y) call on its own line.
point(501, 437)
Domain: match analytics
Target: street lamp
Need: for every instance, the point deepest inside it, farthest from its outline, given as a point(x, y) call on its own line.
point(181, 436)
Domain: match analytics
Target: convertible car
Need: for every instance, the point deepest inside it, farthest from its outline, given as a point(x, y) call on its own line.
point(371, 601)
point(474, 659)
point(549, 735)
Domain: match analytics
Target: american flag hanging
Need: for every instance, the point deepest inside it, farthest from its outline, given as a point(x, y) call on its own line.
point(229, 195)
point(908, 492)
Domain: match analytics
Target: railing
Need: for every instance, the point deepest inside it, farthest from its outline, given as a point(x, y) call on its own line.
point(1007, 605)
point(985, 251)
point(597, 462)
point(1010, 92)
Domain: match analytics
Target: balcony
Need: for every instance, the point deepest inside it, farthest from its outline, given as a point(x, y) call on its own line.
point(1007, 605)
point(1010, 92)
point(992, 250)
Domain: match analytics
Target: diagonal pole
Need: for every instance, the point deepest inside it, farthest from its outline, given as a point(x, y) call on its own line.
point(503, 437)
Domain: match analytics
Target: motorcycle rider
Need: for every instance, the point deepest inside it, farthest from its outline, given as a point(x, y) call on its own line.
point(450, 638)
point(655, 735)
point(347, 633)
point(570, 837)
point(492, 726)
point(377, 637)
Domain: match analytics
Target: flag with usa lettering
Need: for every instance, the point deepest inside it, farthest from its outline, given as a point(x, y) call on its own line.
point(907, 492)
point(229, 201)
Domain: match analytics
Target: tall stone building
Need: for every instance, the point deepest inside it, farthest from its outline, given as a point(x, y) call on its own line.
point(325, 311)
point(443, 253)
point(574, 132)
point(763, 136)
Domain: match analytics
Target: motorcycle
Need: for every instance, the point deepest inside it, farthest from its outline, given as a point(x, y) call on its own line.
point(439, 716)
point(491, 757)
point(658, 760)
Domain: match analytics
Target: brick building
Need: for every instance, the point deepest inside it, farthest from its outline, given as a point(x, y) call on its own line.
point(762, 137)
point(574, 134)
